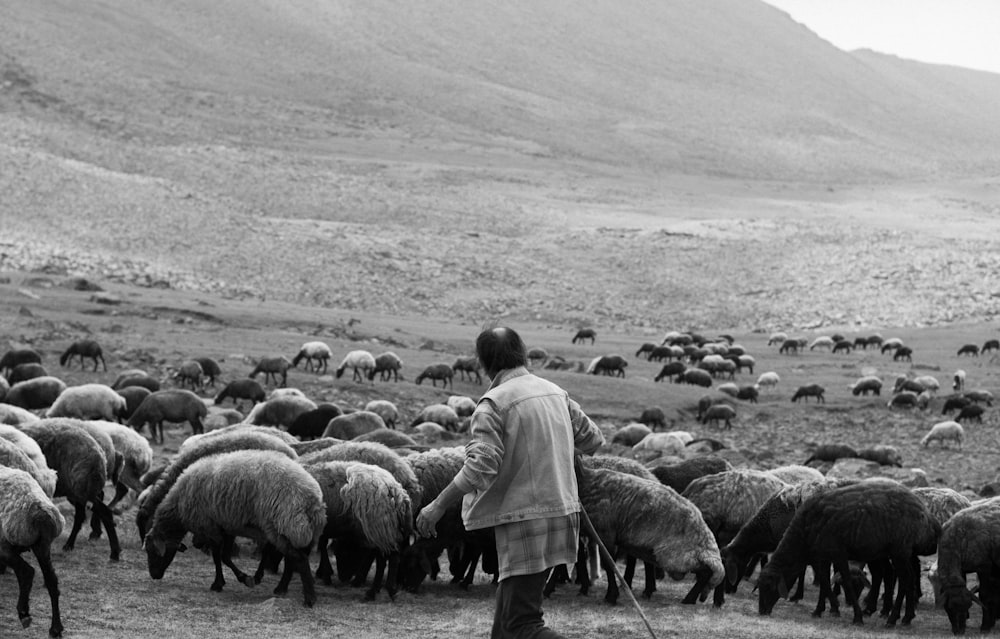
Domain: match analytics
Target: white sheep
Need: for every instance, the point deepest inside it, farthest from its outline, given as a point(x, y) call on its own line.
point(777, 338)
point(12, 456)
point(318, 351)
point(384, 409)
point(137, 457)
point(30, 447)
point(261, 494)
point(13, 415)
point(823, 341)
point(958, 380)
point(361, 362)
point(796, 474)
point(439, 414)
point(666, 443)
point(89, 401)
point(462, 405)
point(279, 411)
point(944, 431)
point(285, 392)
point(769, 379)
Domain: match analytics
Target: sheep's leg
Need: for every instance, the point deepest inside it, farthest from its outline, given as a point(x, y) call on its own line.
point(325, 570)
point(611, 596)
point(108, 519)
point(470, 570)
point(120, 491)
point(649, 570)
point(800, 589)
point(225, 552)
point(44, 557)
point(79, 516)
point(905, 589)
point(889, 582)
point(842, 567)
point(821, 577)
point(366, 559)
point(25, 575)
point(371, 593)
point(629, 573)
point(878, 577)
point(220, 580)
point(701, 581)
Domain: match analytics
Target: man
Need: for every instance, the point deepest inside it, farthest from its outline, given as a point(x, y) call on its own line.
point(518, 478)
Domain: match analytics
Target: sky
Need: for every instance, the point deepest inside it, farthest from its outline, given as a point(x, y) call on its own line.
point(963, 33)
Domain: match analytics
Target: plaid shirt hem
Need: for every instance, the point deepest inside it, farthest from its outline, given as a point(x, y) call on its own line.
point(530, 546)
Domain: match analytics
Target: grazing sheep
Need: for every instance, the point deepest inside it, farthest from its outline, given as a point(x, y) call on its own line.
point(272, 367)
point(133, 396)
point(249, 389)
point(822, 342)
point(831, 453)
point(870, 521)
point(89, 401)
point(654, 417)
point(387, 365)
point(696, 377)
point(85, 348)
point(260, 494)
point(468, 366)
point(436, 372)
point(883, 455)
point(613, 365)
point(990, 345)
point(370, 453)
point(903, 352)
point(720, 412)
point(660, 353)
point(865, 385)
point(462, 405)
point(174, 405)
point(135, 377)
point(968, 543)
point(749, 393)
point(790, 346)
point(678, 476)
point(14, 415)
point(665, 443)
point(221, 441)
point(13, 456)
point(585, 333)
point(795, 474)
point(727, 501)
point(537, 356)
point(971, 350)
point(36, 393)
point(311, 424)
point(630, 434)
point(651, 522)
point(924, 400)
point(842, 345)
point(351, 425)
point(745, 361)
point(941, 502)
point(955, 402)
point(891, 344)
point(316, 354)
point(17, 356)
point(190, 372)
point(645, 347)
point(81, 470)
point(809, 390)
point(439, 414)
point(729, 388)
point(903, 399)
point(670, 370)
point(944, 431)
point(777, 338)
point(971, 412)
point(958, 380)
point(391, 438)
point(210, 368)
point(46, 476)
point(29, 519)
point(431, 432)
point(280, 411)
point(980, 396)
point(24, 372)
point(707, 401)
point(769, 379)
point(137, 457)
point(387, 411)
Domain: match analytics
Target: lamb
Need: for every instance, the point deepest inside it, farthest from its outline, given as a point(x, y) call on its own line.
point(670, 370)
point(190, 372)
point(387, 365)
point(133, 396)
point(272, 367)
point(865, 385)
point(883, 455)
point(971, 412)
point(249, 389)
point(943, 432)
point(968, 349)
point(720, 412)
point(351, 425)
point(809, 390)
point(14, 415)
point(462, 405)
point(831, 453)
point(280, 411)
point(24, 372)
point(89, 401)
point(311, 424)
point(439, 414)
point(436, 372)
point(46, 476)
point(654, 417)
point(769, 379)
point(613, 365)
point(678, 476)
point(630, 434)
point(35, 394)
point(870, 521)
point(384, 409)
point(17, 356)
point(361, 362)
point(173, 405)
point(259, 494)
point(651, 522)
point(365, 508)
point(136, 377)
point(210, 368)
point(82, 470)
point(194, 449)
point(468, 366)
point(85, 348)
point(314, 353)
point(29, 519)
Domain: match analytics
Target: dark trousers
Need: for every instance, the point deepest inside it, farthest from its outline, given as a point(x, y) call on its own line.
point(518, 613)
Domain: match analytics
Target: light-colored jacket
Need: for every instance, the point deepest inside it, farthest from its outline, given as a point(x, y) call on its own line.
point(519, 463)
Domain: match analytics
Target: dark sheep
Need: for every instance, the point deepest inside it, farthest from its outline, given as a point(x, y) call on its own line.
point(969, 544)
point(871, 521)
point(720, 412)
point(980, 396)
point(831, 453)
point(613, 365)
point(24, 372)
point(654, 417)
point(867, 385)
point(645, 347)
point(311, 424)
point(249, 389)
point(468, 366)
point(585, 333)
point(861, 342)
point(911, 385)
point(660, 353)
point(36, 393)
point(17, 356)
point(173, 405)
point(790, 346)
point(143, 381)
point(272, 367)
point(971, 412)
point(134, 395)
point(85, 348)
point(679, 475)
point(436, 372)
point(903, 352)
point(387, 365)
point(748, 393)
point(672, 369)
point(707, 401)
point(891, 344)
point(810, 390)
point(904, 399)
point(696, 377)
point(190, 372)
point(968, 349)
point(884, 455)
point(842, 345)
point(990, 345)
point(349, 426)
point(210, 368)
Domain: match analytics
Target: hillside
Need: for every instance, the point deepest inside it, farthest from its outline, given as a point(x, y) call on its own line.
point(567, 162)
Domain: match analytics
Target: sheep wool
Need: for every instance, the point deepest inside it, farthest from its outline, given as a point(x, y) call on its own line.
point(11, 456)
point(375, 454)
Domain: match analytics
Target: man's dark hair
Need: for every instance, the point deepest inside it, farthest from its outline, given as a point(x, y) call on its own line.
point(499, 349)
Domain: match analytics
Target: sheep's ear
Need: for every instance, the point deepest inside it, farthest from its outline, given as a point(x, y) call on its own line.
point(782, 588)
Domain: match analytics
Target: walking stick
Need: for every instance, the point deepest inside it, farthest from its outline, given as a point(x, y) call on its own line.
point(589, 526)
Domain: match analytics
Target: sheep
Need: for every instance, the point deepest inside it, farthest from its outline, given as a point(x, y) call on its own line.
point(980, 396)
point(883, 455)
point(29, 519)
point(928, 383)
point(842, 345)
point(249, 389)
point(14, 415)
point(941, 502)
point(436, 372)
point(958, 380)
point(903, 352)
point(955, 402)
point(133, 396)
point(351, 425)
point(384, 409)
point(903, 399)
point(85, 348)
point(968, 544)
point(831, 453)
point(745, 361)
point(727, 501)
point(630, 434)
point(720, 412)
point(272, 367)
point(13, 456)
point(46, 476)
point(870, 521)
point(280, 411)
point(137, 457)
point(749, 393)
point(584, 334)
point(260, 494)
point(891, 344)
point(317, 353)
point(313, 445)
point(654, 417)
point(865, 385)
point(190, 372)
point(210, 368)
point(613, 365)
point(24, 372)
point(651, 522)
point(665, 443)
point(823, 341)
point(968, 349)
point(36, 393)
point(311, 424)
point(971, 412)
point(670, 370)
point(439, 414)
point(696, 377)
point(462, 405)
point(729, 388)
point(468, 366)
point(136, 377)
point(89, 401)
point(795, 474)
point(387, 365)
point(361, 362)
point(777, 338)
point(81, 470)
point(790, 346)
point(645, 347)
point(391, 438)
point(194, 449)
point(113, 459)
point(370, 453)
point(678, 476)
point(660, 353)
point(17, 356)
point(923, 400)
point(537, 356)
point(173, 405)
point(769, 379)
point(809, 390)
point(990, 345)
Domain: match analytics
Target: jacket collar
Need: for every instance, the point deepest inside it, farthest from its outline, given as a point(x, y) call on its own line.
point(507, 374)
